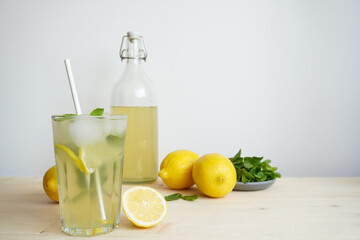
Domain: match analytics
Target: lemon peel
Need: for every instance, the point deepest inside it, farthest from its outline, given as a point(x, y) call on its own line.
point(80, 163)
point(50, 184)
point(214, 175)
point(176, 169)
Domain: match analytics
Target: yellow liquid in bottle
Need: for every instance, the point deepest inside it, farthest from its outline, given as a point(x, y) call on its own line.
point(141, 145)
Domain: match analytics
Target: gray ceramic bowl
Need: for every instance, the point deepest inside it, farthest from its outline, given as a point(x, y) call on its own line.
point(253, 186)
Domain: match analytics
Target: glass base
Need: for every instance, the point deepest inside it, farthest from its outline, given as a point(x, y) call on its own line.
point(138, 181)
point(86, 232)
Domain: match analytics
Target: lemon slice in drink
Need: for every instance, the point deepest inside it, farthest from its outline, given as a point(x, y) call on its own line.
point(144, 206)
point(64, 153)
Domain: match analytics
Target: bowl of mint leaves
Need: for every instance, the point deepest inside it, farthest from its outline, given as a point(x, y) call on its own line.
point(253, 173)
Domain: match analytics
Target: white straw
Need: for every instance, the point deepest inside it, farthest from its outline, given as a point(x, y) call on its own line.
point(78, 112)
point(98, 191)
point(72, 86)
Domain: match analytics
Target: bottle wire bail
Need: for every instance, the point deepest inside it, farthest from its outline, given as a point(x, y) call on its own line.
point(123, 53)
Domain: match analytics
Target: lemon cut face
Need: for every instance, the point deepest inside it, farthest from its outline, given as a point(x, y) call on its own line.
point(144, 206)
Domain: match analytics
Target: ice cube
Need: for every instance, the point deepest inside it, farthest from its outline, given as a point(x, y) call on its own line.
point(118, 128)
point(86, 132)
point(115, 128)
point(108, 127)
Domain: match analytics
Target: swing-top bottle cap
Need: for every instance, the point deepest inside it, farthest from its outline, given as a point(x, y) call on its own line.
point(133, 35)
point(139, 53)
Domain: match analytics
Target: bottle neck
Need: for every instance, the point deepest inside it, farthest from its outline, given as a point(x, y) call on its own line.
point(135, 61)
point(134, 53)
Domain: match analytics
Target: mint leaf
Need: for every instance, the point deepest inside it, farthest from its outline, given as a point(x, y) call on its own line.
point(269, 168)
point(173, 197)
point(269, 174)
point(253, 170)
point(247, 174)
point(237, 155)
point(277, 175)
point(238, 160)
point(113, 139)
point(103, 174)
point(261, 176)
point(253, 160)
point(177, 196)
point(266, 162)
point(190, 198)
point(247, 163)
point(97, 112)
point(244, 179)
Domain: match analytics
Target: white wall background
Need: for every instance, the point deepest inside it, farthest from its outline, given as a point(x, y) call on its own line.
point(277, 78)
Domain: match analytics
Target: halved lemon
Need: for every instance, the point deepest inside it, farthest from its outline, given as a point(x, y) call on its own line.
point(64, 152)
point(144, 206)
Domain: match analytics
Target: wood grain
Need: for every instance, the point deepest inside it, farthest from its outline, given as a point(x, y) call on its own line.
point(293, 208)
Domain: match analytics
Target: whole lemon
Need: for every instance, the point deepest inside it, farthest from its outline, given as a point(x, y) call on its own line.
point(214, 175)
point(176, 169)
point(50, 184)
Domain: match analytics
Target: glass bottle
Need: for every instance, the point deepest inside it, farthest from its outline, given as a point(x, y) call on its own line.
point(134, 96)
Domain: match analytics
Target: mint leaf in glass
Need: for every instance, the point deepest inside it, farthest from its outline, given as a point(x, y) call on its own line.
point(97, 112)
point(113, 139)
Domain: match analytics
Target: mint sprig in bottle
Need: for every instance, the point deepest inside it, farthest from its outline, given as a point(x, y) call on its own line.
point(134, 96)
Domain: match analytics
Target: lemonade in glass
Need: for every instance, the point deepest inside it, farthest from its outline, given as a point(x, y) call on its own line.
point(89, 153)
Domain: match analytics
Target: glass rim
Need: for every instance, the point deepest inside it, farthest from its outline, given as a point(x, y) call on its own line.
point(88, 116)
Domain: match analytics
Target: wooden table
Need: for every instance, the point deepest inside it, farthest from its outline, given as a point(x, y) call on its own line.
point(293, 208)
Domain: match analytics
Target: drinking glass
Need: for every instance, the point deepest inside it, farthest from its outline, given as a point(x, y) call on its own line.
point(89, 154)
